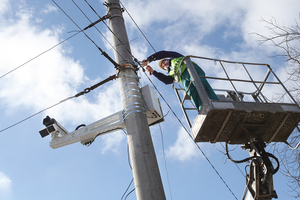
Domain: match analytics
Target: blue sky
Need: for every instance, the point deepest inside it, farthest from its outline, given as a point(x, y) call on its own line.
point(30, 169)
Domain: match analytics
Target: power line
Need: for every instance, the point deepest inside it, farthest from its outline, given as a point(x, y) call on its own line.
point(127, 188)
point(234, 163)
point(36, 114)
point(193, 139)
point(129, 193)
point(160, 95)
point(138, 27)
point(163, 146)
point(135, 59)
point(95, 26)
point(38, 55)
point(85, 91)
point(91, 8)
point(116, 36)
point(103, 53)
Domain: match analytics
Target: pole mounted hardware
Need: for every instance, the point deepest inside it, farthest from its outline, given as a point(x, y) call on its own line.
point(87, 90)
point(86, 134)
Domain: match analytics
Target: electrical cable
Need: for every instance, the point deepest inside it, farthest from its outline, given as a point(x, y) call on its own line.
point(127, 188)
point(129, 166)
point(38, 55)
point(135, 59)
point(277, 162)
point(163, 147)
point(129, 193)
point(92, 8)
point(115, 35)
point(193, 139)
point(81, 125)
point(165, 102)
point(234, 163)
point(137, 26)
point(102, 52)
point(100, 18)
point(87, 90)
point(128, 157)
point(36, 114)
point(237, 161)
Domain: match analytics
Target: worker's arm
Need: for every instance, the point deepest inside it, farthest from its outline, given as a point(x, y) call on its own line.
point(163, 54)
point(163, 78)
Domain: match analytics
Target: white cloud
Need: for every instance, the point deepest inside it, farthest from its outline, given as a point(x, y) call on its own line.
point(3, 6)
point(184, 148)
point(5, 184)
point(49, 78)
point(112, 141)
point(189, 22)
point(285, 12)
point(49, 8)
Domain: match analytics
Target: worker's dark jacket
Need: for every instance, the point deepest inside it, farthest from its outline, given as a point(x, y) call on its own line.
point(160, 55)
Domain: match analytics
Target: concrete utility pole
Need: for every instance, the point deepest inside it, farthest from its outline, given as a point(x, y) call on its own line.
point(147, 180)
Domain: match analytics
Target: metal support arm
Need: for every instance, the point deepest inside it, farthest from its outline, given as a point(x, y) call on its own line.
point(86, 135)
point(260, 177)
point(259, 181)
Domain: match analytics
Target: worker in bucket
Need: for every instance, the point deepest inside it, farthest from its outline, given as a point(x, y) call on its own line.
point(169, 61)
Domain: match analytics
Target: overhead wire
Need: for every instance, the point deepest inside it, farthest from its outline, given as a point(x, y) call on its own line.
point(225, 156)
point(39, 55)
point(129, 166)
point(85, 91)
point(234, 163)
point(88, 89)
point(184, 126)
point(163, 147)
point(134, 58)
point(103, 53)
point(171, 110)
point(91, 7)
point(96, 27)
point(127, 189)
point(74, 96)
point(111, 30)
point(193, 139)
point(138, 26)
point(129, 193)
point(79, 94)
point(36, 114)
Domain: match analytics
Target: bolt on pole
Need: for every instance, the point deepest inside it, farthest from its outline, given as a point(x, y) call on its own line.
point(147, 180)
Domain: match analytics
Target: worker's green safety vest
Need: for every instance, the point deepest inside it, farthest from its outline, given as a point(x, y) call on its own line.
point(174, 72)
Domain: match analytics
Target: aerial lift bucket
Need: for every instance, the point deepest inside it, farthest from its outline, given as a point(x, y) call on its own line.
point(243, 117)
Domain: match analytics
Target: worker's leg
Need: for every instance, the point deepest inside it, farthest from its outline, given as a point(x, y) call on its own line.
point(192, 92)
point(210, 92)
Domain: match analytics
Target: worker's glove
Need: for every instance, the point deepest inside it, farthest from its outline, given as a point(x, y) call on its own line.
point(149, 69)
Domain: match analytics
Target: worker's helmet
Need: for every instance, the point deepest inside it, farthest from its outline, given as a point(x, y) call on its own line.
point(160, 62)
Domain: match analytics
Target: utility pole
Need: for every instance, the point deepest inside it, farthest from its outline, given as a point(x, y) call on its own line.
point(147, 180)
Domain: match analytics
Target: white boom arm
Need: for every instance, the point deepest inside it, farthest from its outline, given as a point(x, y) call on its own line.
point(86, 135)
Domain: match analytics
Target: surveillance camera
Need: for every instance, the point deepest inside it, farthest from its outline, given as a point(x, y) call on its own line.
point(52, 127)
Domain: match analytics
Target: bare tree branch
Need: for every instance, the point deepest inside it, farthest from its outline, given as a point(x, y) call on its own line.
point(286, 39)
